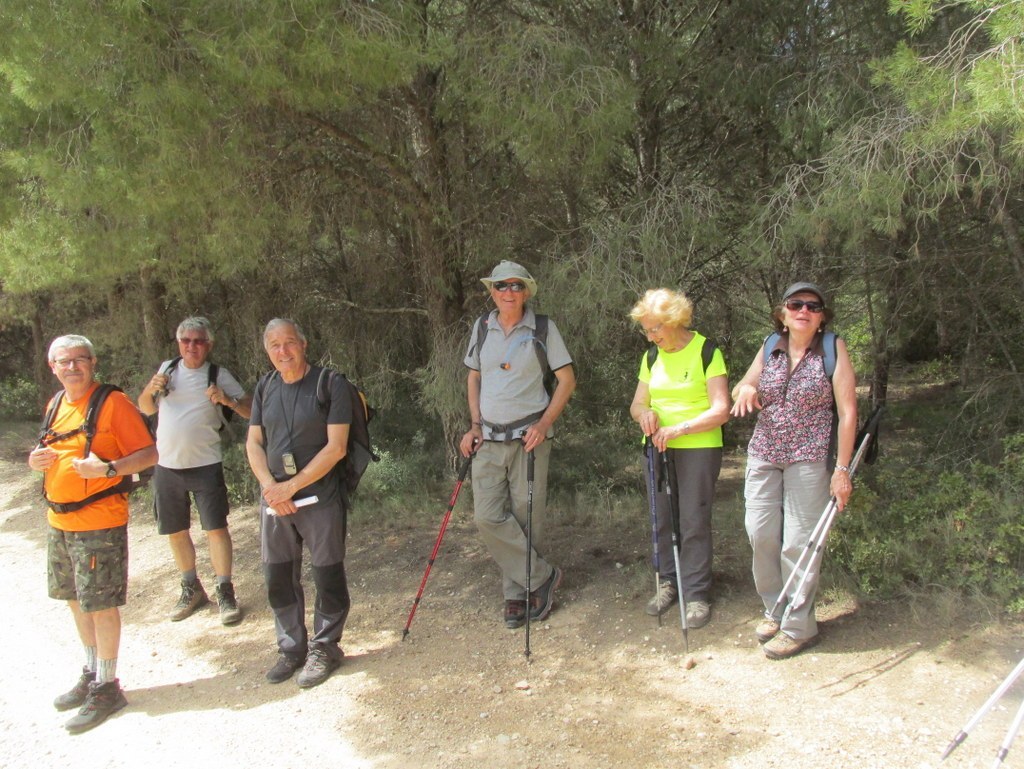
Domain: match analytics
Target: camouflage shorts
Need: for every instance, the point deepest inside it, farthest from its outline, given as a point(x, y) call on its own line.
point(90, 567)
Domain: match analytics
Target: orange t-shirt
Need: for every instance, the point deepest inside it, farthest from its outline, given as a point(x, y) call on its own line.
point(120, 431)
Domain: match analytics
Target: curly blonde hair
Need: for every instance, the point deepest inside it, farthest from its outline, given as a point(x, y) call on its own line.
point(665, 306)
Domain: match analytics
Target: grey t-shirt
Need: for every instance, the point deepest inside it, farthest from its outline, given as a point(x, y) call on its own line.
point(511, 380)
point(293, 421)
point(188, 428)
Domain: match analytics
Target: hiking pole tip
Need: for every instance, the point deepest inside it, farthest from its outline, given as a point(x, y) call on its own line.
point(953, 745)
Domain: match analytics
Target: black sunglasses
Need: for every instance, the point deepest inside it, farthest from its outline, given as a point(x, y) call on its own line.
point(795, 305)
point(503, 285)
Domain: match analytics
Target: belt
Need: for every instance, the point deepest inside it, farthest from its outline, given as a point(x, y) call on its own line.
point(509, 429)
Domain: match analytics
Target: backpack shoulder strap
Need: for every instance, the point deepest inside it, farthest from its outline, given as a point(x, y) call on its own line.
point(92, 412)
point(172, 364)
point(652, 355)
point(830, 345)
point(540, 334)
point(211, 376)
point(51, 413)
point(769, 344)
point(707, 353)
point(481, 331)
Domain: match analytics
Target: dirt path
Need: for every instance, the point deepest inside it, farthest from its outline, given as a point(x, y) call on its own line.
point(605, 688)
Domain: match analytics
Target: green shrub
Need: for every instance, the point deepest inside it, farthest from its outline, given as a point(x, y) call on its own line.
point(919, 527)
point(19, 399)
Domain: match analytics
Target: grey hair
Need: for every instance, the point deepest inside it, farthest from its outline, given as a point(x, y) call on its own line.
point(67, 342)
point(195, 323)
point(277, 323)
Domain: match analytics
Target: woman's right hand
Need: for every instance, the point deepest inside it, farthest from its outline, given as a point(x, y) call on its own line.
point(745, 400)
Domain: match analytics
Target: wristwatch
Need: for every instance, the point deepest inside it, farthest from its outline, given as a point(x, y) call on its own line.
point(111, 470)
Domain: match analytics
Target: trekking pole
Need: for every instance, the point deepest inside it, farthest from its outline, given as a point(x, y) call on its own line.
point(437, 544)
point(529, 545)
point(673, 506)
point(651, 491)
point(1011, 733)
point(1009, 681)
point(804, 564)
point(816, 548)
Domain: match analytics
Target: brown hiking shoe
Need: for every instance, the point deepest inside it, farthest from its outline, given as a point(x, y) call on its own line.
point(766, 630)
point(784, 646)
point(192, 597)
point(228, 606)
point(515, 613)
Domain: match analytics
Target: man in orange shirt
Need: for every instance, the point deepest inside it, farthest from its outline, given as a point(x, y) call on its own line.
point(87, 559)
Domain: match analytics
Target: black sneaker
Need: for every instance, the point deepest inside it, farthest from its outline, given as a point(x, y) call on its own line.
point(76, 696)
point(102, 701)
point(192, 597)
point(229, 611)
point(321, 661)
point(515, 613)
point(285, 667)
point(543, 598)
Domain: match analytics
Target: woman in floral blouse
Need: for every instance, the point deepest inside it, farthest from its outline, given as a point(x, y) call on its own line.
point(790, 476)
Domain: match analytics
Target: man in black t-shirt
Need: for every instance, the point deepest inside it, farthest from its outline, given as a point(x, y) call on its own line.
point(298, 432)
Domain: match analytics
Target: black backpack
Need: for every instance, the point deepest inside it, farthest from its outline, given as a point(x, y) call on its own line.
point(707, 353)
point(126, 485)
point(540, 336)
point(224, 412)
point(359, 451)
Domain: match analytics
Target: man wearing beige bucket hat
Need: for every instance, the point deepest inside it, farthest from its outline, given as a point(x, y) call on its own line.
point(511, 351)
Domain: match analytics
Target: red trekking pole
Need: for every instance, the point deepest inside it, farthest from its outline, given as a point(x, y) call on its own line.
point(437, 545)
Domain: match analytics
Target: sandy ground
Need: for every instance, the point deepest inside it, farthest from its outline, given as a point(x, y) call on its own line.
point(605, 685)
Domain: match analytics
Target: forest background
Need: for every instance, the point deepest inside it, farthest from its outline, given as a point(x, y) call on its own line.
point(360, 165)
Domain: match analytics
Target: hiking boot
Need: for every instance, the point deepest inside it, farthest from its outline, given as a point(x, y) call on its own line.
point(783, 646)
point(515, 613)
point(321, 661)
point(543, 598)
point(698, 613)
point(229, 611)
point(77, 694)
point(766, 630)
point(102, 701)
point(192, 597)
point(285, 667)
point(667, 595)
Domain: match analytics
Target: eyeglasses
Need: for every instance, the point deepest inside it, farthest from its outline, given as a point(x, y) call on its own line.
point(504, 285)
point(66, 363)
point(795, 305)
point(187, 341)
point(651, 331)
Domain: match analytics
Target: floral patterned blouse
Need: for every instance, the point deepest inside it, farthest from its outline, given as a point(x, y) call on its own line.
point(795, 423)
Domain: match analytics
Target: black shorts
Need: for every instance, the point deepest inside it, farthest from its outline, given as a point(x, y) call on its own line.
point(171, 502)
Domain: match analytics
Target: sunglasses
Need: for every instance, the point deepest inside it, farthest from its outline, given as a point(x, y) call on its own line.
point(795, 305)
point(504, 285)
point(188, 341)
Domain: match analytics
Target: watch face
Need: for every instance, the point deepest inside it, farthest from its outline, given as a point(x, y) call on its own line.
point(111, 470)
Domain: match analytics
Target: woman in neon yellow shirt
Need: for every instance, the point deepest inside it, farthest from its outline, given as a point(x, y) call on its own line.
point(681, 403)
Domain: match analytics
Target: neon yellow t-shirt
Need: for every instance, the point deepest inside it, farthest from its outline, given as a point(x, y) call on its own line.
point(679, 392)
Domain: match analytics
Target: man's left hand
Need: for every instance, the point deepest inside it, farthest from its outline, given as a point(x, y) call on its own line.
point(534, 436)
point(90, 467)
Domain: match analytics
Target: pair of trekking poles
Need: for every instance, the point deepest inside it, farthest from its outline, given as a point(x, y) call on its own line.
point(444, 525)
point(1015, 725)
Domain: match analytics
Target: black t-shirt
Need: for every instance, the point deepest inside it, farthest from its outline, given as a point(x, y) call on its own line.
point(293, 421)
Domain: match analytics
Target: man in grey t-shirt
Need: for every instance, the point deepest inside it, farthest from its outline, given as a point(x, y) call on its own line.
point(189, 405)
point(512, 417)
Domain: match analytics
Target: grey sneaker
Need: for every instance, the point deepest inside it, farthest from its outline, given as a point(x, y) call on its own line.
point(192, 597)
point(321, 661)
point(103, 700)
point(229, 611)
point(667, 596)
point(698, 614)
point(77, 694)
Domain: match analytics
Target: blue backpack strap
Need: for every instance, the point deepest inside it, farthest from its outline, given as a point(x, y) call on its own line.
point(769, 344)
point(830, 345)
